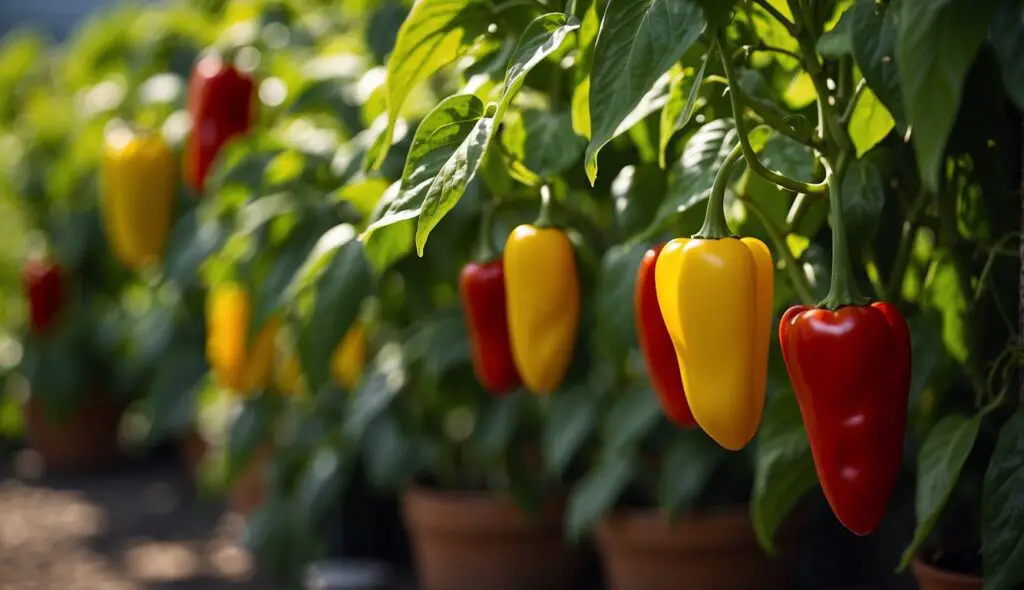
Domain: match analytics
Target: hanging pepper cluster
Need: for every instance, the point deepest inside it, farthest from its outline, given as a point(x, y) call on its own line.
point(523, 308)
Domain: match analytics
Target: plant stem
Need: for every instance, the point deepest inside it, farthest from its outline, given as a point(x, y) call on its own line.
point(748, 49)
point(485, 251)
point(570, 8)
point(906, 245)
point(545, 217)
point(845, 117)
point(748, 151)
point(843, 290)
point(790, 25)
point(796, 276)
point(715, 225)
point(829, 121)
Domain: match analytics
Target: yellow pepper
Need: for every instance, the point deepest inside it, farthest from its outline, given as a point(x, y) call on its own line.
point(542, 295)
point(715, 294)
point(227, 322)
point(349, 358)
point(138, 179)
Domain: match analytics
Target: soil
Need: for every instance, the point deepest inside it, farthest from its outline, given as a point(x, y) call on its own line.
point(138, 527)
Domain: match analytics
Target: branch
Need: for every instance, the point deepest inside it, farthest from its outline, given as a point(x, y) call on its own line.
point(767, 7)
point(748, 151)
point(800, 283)
point(845, 117)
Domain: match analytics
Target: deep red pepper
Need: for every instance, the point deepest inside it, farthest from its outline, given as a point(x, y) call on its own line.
point(656, 344)
point(482, 289)
point(221, 103)
point(850, 369)
point(44, 287)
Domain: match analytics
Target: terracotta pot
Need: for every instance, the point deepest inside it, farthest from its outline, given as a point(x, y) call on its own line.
point(191, 450)
point(249, 491)
point(716, 550)
point(469, 541)
point(87, 441)
point(930, 577)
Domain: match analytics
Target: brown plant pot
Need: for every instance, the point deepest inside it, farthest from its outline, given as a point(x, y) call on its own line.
point(715, 550)
point(470, 540)
point(249, 491)
point(930, 577)
point(86, 442)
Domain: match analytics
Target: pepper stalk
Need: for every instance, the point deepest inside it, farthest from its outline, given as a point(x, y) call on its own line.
point(843, 289)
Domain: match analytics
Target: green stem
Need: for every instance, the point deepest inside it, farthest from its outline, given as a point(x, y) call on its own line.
point(485, 251)
point(545, 218)
point(843, 290)
point(790, 25)
point(748, 151)
point(845, 117)
point(800, 283)
point(829, 121)
point(570, 8)
point(905, 246)
point(796, 212)
point(715, 225)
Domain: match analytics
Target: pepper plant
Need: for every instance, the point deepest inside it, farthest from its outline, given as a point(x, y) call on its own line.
point(865, 141)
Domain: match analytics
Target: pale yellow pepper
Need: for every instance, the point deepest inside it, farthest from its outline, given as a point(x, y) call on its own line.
point(235, 366)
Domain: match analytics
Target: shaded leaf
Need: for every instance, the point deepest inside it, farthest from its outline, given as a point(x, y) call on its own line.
point(1002, 510)
point(682, 98)
point(596, 494)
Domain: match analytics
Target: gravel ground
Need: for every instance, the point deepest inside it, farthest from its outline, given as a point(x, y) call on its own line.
point(137, 528)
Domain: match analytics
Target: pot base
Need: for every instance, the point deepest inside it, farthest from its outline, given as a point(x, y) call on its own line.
point(86, 442)
point(930, 577)
point(469, 541)
point(713, 551)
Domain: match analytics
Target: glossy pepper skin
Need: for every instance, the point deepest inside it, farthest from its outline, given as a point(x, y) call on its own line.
point(349, 358)
point(45, 288)
point(542, 292)
point(850, 369)
point(237, 366)
point(716, 298)
point(656, 344)
point(138, 196)
point(482, 290)
point(221, 101)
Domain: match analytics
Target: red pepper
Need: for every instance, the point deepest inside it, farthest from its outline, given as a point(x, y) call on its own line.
point(43, 283)
point(656, 344)
point(221, 103)
point(482, 289)
point(850, 369)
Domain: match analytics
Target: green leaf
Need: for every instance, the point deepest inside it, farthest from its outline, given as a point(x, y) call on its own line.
point(638, 192)
point(869, 123)
point(450, 183)
point(364, 194)
point(247, 431)
point(435, 34)
point(927, 353)
point(783, 468)
point(571, 419)
point(581, 93)
point(285, 261)
point(496, 426)
point(639, 41)
point(171, 401)
point(691, 177)
point(340, 277)
point(690, 462)
point(441, 133)
point(874, 30)
point(942, 457)
point(615, 328)
point(838, 42)
point(937, 44)
point(319, 489)
point(389, 454)
point(369, 401)
point(191, 241)
point(863, 200)
point(1002, 511)
point(543, 141)
point(596, 494)
point(633, 415)
point(540, 39)
point(1007, 37)
point(682, 98)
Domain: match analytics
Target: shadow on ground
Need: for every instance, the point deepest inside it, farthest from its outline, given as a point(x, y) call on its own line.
point(137, 527)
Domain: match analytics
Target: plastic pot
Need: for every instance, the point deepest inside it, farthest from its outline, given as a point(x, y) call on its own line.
point(87, 441)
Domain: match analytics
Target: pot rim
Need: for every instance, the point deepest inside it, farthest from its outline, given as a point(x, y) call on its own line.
point(922, 566)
